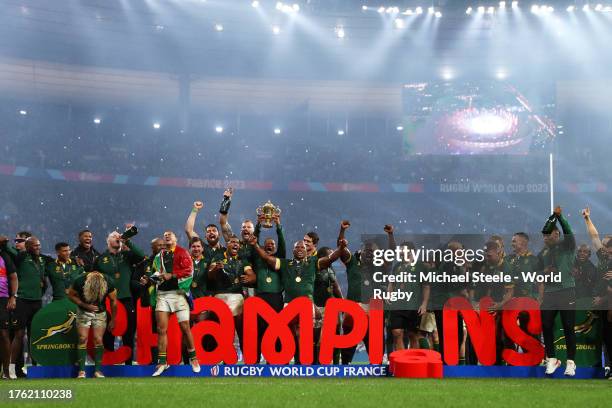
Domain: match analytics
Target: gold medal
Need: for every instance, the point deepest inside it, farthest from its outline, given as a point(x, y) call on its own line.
point(117, 275)
point(298, 279)
point(269, 279)
point(194, 285)
point(366, 282)
point(236, 280)
point(329, 290)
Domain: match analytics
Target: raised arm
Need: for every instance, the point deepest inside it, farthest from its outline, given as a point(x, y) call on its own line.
point(345, 256)
point(281, 248)
point(226, 229)
point(190, 224)
point(136, 254)
point(591, 230)
point(551, 221)
point(569, 241)
point(389, 230)
point(326, 261)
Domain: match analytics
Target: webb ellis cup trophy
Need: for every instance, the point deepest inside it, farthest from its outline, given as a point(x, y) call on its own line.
point(267, 213)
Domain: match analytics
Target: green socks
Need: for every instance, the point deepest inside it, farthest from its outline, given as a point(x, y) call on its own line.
point(99, 351)
point(82, 355)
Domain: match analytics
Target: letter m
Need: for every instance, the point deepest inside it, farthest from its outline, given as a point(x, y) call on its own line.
point(282, 327)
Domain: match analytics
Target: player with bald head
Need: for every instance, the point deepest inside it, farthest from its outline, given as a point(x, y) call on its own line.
point(118, 262)
point(30, 266)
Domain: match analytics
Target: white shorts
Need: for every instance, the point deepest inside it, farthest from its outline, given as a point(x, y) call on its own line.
point(91, 319)
point(234, 301)
point(173, 302)
point(428, 322)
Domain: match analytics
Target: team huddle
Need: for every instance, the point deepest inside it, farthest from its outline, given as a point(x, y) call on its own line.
point(171, 277)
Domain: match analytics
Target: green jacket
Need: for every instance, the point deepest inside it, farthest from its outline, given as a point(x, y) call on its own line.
point(269, 280)
point(61, 276)
point(31, 275)
point(559, 256)
point(119, 267)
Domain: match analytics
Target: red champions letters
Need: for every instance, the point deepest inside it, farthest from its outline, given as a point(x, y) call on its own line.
point(481, 327)
point(292, 329)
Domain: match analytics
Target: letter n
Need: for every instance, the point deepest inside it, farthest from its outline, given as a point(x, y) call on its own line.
point(480, 327)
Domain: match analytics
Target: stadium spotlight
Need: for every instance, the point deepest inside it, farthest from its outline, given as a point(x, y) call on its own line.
point(340, 31)
point(419, 10)
point(340, 132)
point(491, 10)
point(277, 131)
point(468, 11)
point(399, 23)
point(156, 125)
point(501, 74)
point(279, 5)
point(408, 12)
point(598, 7)
point(219, 129)
point(447, 74)
point(515, 4)
point(219, 27)
point(276, 29)
point(381, 10)
point(586, 7)
point(255, 4)
point(571, 8)
point(364, 8)
point(438, 14)
point(23, 112)
point(481, 9)
point(399, 128)
point(97, 121)
point(535, 9)
point(430, 10)
point(502, 4)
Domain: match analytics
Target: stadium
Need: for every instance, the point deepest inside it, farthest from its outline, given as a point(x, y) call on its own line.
point(313, 202)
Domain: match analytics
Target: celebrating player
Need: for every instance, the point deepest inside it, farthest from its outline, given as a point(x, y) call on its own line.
point(298, 273)
point(89, 292)
point(558, 256)
point(173, 273)
point(118, 263)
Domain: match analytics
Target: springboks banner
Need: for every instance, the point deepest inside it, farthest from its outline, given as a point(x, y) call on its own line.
point(54, 334)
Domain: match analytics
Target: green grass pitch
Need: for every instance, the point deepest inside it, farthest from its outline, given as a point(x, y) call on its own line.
point(317, 392)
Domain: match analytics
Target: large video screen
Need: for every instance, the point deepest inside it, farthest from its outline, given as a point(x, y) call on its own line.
point(478, 117)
